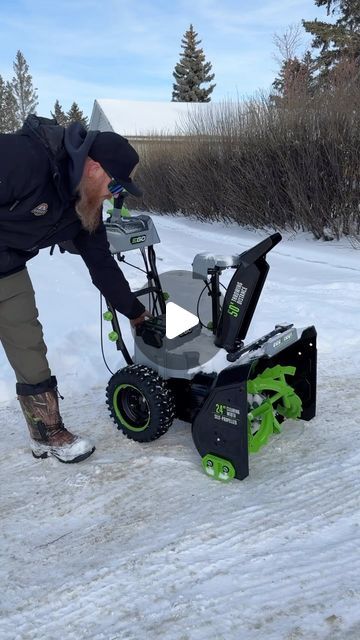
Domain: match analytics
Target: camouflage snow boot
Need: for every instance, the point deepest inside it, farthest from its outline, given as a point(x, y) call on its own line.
point(48, 435)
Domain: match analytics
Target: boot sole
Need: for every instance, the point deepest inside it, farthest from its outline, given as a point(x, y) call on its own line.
point(83, 456)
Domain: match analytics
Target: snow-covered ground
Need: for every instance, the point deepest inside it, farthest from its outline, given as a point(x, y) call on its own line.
point(137, 542)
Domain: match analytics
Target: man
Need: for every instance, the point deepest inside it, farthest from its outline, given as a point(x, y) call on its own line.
point(53, 182)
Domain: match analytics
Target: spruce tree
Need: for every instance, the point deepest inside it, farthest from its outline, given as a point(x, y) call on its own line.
point(338, 41)
point(9, 121)
point(295, 79)
point(2, 110)
point(59, 115)
point(24, 92)
point(191, 72)
point(76, 115)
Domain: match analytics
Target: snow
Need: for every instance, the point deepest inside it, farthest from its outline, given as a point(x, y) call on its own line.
point(137, 542)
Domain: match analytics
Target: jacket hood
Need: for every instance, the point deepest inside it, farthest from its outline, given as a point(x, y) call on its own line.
point(43, 130)
point(77, 141)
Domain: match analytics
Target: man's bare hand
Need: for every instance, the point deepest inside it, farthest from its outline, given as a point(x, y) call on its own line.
point(136, 321)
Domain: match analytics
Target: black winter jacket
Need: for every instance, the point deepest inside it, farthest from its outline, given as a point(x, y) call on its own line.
point(40, 167)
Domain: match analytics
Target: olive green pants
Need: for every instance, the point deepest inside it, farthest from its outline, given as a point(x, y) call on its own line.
point(21, 333)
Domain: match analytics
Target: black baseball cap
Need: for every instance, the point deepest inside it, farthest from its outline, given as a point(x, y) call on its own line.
point(117, 157)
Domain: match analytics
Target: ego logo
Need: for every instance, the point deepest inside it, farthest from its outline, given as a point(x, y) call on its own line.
point(137, 239)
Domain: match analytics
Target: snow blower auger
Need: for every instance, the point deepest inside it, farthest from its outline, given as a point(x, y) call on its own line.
point(234, 411)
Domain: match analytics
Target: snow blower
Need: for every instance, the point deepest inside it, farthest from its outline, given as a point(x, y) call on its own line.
point(233, 412)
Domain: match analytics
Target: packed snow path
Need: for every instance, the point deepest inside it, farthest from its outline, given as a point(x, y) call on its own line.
point(137, 542)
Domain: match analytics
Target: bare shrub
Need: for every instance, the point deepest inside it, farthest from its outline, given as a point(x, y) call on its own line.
point(294, 165)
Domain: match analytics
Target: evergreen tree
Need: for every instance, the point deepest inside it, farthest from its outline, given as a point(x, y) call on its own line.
point(295, 79)
point(339, 41)
point(76, 115)
point(59, 115)
point(191, 72)
point(25, 94)
point(12, 120)
point(9, 121)
point(2, 109)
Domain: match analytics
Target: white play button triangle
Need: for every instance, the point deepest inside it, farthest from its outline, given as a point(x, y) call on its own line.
point(178, 320)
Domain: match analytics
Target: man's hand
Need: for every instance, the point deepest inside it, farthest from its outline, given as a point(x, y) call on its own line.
point(136, 321)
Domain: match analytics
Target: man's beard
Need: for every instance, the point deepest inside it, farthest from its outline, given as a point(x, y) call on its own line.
point(89, 204)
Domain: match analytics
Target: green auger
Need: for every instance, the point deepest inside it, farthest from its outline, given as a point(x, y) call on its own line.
point(284, 402)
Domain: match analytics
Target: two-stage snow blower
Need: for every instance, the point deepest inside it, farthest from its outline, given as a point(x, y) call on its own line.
point(234, 411)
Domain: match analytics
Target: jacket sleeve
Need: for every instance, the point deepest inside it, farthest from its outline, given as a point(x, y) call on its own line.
point(105, 273)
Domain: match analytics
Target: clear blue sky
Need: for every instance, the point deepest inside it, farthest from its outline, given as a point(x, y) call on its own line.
point(86, 49)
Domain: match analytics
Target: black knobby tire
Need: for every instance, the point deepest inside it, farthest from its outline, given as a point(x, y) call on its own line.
point(140, 403)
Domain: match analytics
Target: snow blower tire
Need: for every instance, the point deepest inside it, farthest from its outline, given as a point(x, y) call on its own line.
point(140, 403)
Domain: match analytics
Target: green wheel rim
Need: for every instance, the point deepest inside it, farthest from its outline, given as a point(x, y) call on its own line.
point(131, 408)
